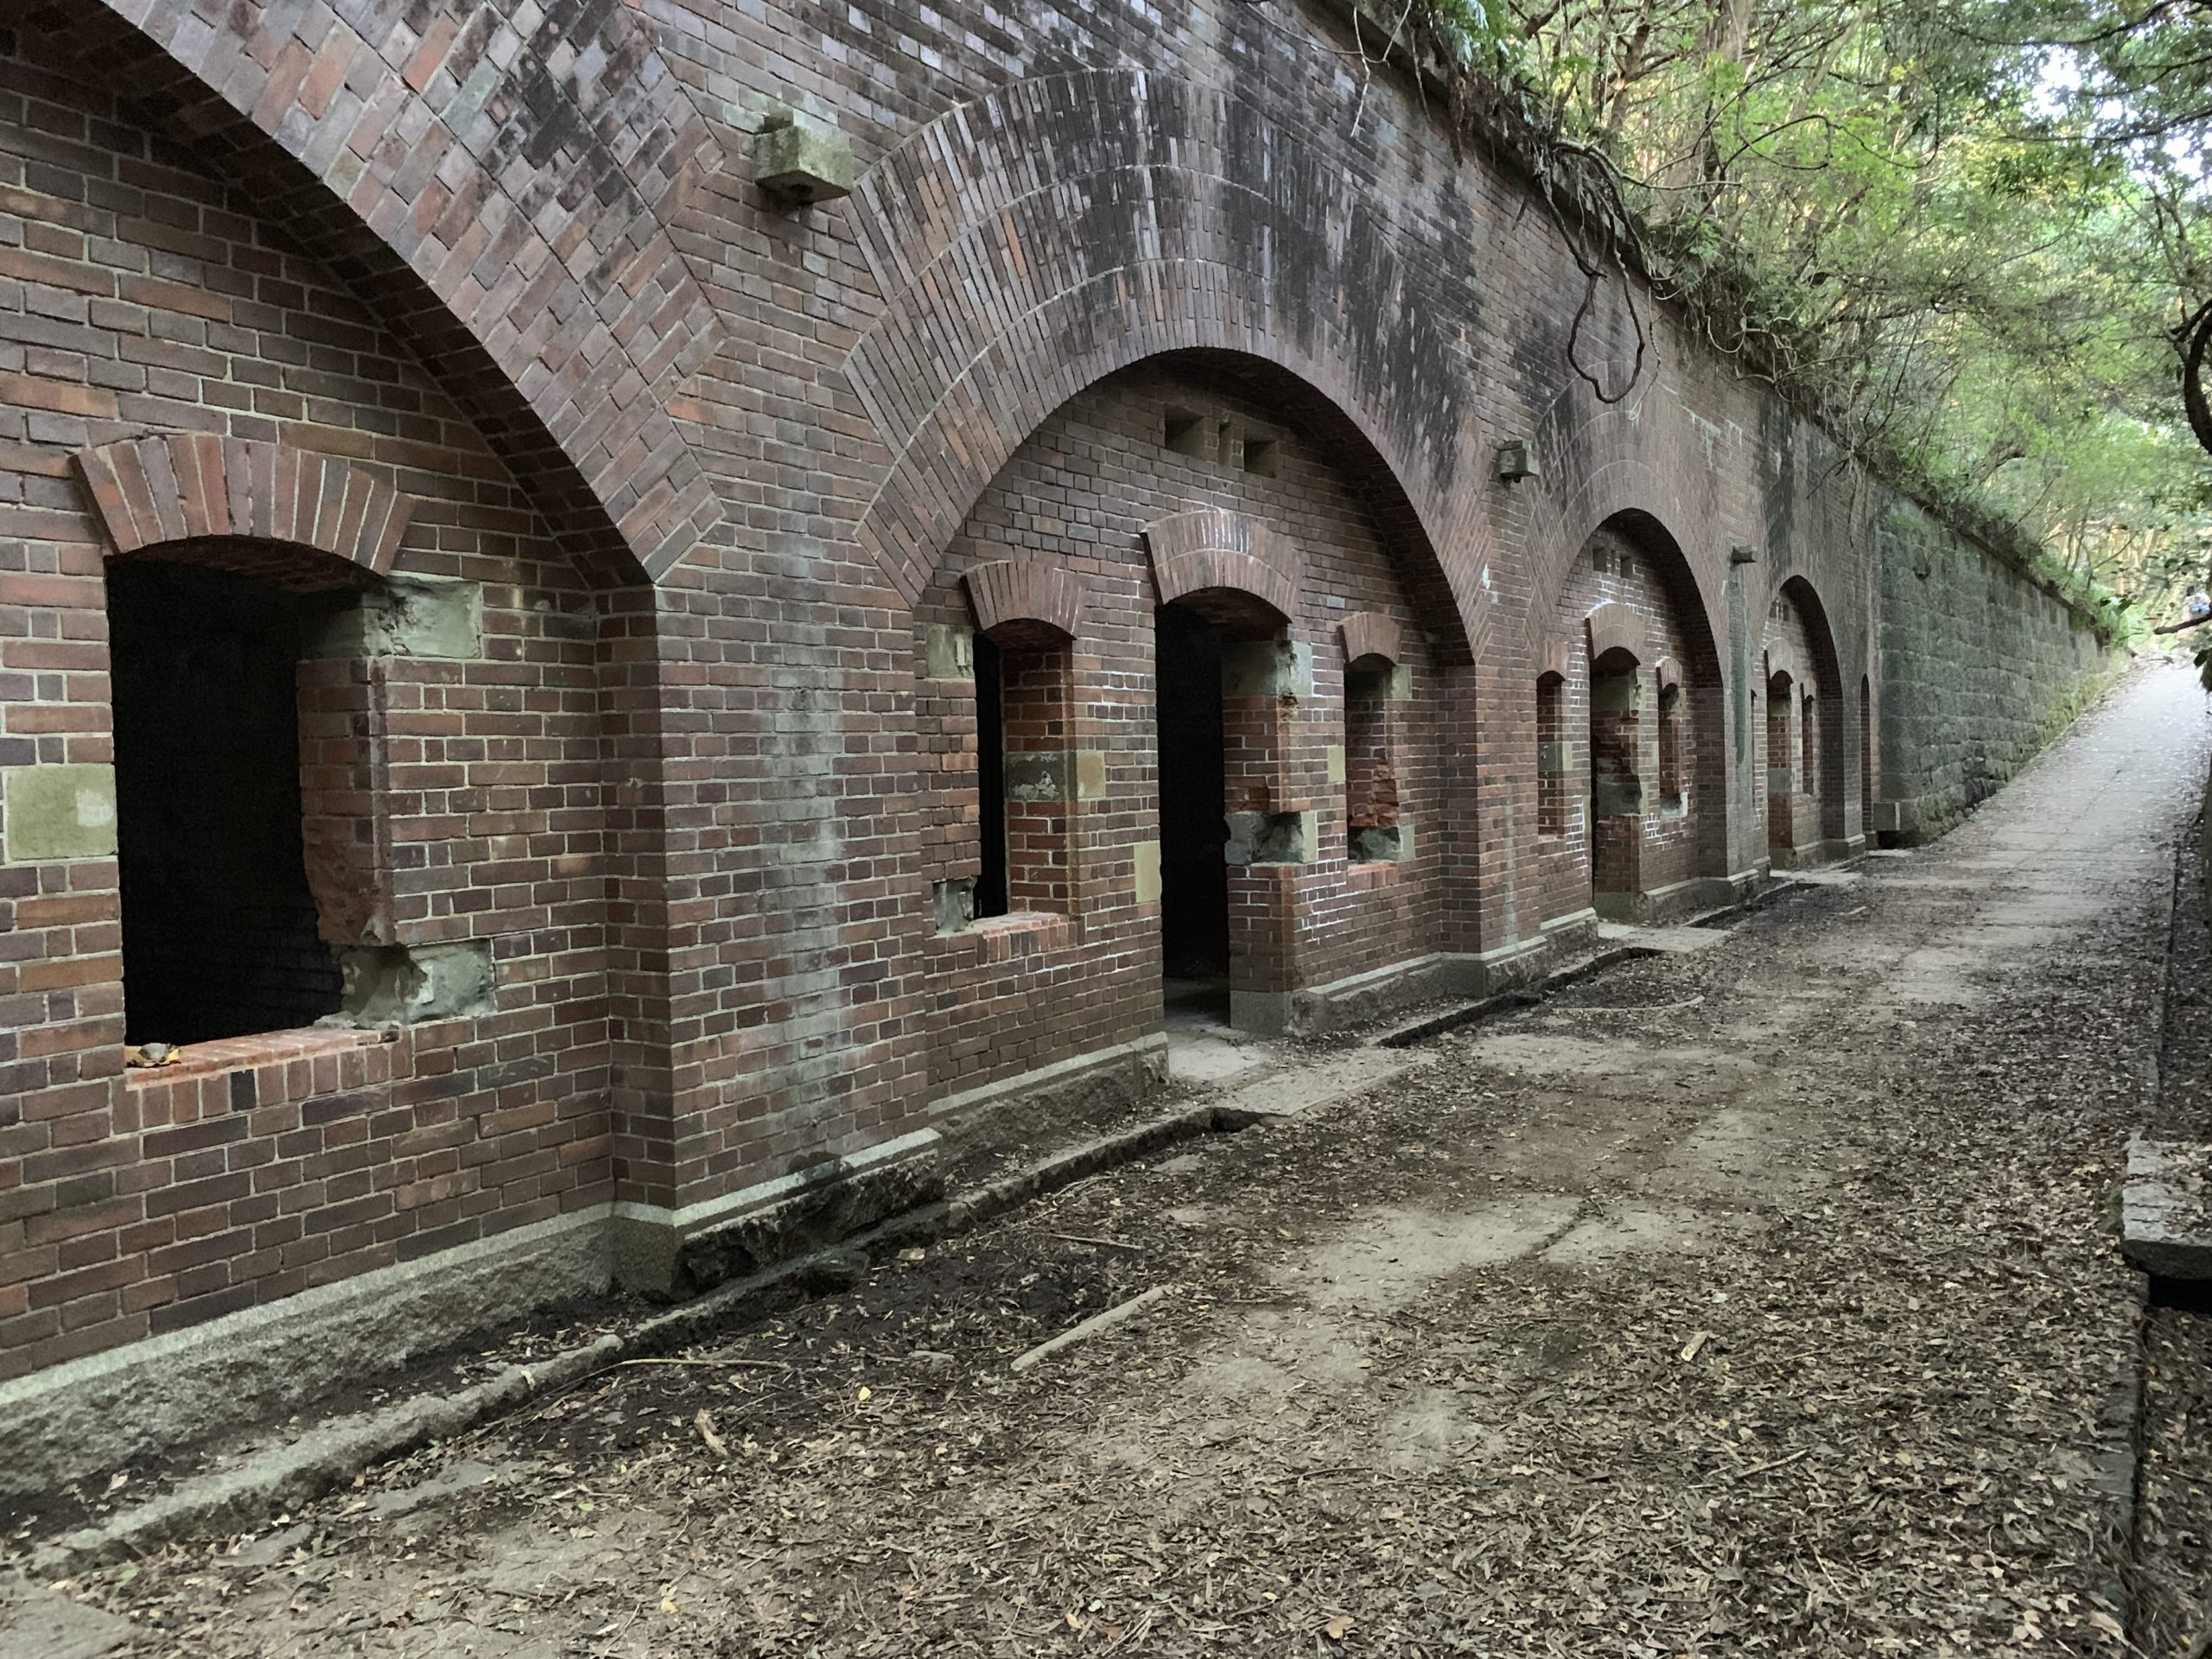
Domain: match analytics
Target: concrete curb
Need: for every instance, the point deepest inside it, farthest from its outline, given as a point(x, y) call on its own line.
point(332, 1454)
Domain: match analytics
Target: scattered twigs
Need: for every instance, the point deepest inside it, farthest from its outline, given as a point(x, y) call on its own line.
point(1090, 1327)
point(1100, 1243)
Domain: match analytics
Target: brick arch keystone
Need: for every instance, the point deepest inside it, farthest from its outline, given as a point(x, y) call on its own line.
point(1613, 626)
point(1554, 656)
point(1111, 216)
point(194, 487)
point(1370, 633)
point(517, 163)
point(1211, 549)
point(1026, 593)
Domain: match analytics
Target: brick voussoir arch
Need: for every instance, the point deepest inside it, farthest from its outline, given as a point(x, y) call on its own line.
point(196, 487)
point(1027, 594)
point(1370, 634)
point(1110, 216)
point(509, 188)
point(1212, 549)
point(1614, 626)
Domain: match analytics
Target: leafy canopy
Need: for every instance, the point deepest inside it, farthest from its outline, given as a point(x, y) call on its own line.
point(1969, 231)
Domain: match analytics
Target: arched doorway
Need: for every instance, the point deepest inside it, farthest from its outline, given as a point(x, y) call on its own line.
point(1808, 761)
point(1865, 754)
point(1643, 758)
point(1193, 827)
point(1225, 668)
point(1617, 802)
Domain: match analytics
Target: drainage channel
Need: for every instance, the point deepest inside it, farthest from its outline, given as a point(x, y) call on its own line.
point(1474, 1014)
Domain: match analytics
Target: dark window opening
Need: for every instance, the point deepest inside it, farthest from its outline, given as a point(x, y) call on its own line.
point(990, 777)
point(1670, 746)
point(1808, 750)
point(1551, 755)
point(1865, 753)
point(1781, 776)
point(219, 931)
point(1615, 784)
point(1260, 456)
point(1193, 789)
point(1370, 782)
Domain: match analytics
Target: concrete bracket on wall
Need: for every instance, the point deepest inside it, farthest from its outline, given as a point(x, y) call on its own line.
point(1384, 843)
point(1267, 668)
point(438, 618)
point(953, 904)
point(948, 652)
point(803, 161)
point(1269, 838)
point(409, 985)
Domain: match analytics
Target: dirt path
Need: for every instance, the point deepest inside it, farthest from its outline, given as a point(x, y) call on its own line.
point(1761, 1298)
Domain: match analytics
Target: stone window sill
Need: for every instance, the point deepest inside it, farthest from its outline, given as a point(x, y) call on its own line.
point(271, 1048)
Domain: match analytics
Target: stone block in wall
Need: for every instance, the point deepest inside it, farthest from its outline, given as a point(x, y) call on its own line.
point(1040, 775)
point(1145, 859)
point(803, 160)
point(51, 814)
point(1384, 843)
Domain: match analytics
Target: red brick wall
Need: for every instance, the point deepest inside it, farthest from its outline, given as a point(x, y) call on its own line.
point(1676, 842)
point(699, 820)
point(1803, 817)
point(144, 296)
point(1015, 994)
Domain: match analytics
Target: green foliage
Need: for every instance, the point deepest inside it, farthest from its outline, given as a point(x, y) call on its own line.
point(1961, 229)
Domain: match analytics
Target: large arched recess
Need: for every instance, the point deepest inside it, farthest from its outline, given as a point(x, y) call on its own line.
point(461, 219)
point(1057, 230)
point(1827, 681)
point(1700, 666)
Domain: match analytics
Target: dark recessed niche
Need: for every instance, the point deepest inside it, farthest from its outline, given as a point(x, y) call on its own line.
point(1186, 432)
point(1259, 455)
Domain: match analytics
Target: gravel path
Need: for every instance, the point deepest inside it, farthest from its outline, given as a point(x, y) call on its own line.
point(1761, 1299)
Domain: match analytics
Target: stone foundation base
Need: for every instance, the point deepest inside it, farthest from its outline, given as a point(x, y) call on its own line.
point(84, 1416)
point(662, 1252)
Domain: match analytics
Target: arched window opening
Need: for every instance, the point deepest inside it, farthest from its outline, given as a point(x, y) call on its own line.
point(1552, 755)
point(220, 932)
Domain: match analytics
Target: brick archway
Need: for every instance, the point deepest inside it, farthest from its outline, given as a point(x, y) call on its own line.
point(1113, 217)
point(529, 253)
point(1818, 672)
